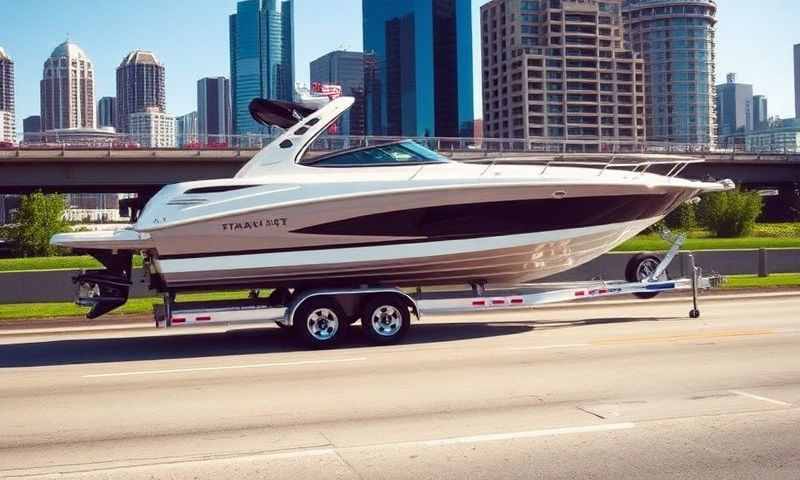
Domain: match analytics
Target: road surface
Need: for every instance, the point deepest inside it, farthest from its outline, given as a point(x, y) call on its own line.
point(613, 390)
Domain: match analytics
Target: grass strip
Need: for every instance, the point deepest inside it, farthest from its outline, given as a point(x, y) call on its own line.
point(134, 306)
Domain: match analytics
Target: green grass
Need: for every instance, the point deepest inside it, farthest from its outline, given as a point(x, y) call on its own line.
point(652, 242)
point(54, 263)
point(754, 281)
point(134, 306)
point(765, 235)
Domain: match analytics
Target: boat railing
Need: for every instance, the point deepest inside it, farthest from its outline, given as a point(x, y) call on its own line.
point(640, 167)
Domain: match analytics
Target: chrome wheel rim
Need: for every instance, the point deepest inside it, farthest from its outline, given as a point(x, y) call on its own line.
point(646, 268)
point(322, 324)
point(386, 320)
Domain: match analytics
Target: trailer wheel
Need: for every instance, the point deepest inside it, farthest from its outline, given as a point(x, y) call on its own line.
point(319, 322)
point(639, 268)
point(385, 319)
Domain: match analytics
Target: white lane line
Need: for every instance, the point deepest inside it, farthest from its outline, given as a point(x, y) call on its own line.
point(301, 453)
point(548, 347)
point(230, 367)
point(316, 452)
point(763, 399)
point(494, 437)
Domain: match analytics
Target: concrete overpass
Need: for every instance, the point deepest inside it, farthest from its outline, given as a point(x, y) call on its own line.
point(146, 170)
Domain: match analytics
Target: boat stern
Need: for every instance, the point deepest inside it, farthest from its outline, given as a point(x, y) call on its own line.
point(104, 290)
point(123, 239)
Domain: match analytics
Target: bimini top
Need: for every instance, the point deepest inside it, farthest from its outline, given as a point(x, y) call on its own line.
point(302, 124)
point(278, 113)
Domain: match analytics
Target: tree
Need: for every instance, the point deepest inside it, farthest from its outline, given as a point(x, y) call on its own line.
point(682, 218)
point(38, 218)
point(730, 214)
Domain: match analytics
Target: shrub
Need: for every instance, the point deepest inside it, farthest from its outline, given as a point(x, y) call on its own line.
point(730, 214)
point(39, 217)
point(682, 218)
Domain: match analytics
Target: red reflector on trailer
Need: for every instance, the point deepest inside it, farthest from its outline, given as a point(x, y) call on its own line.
point(602, 292)
point(580, 293)
point(178, 320)
point(498, 301)
point(202, 319)
point(517, 301)
point(479, 303)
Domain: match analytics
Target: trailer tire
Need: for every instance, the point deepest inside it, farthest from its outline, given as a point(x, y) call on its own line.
point(639, 268)
point(385, 319)
point(319, 322)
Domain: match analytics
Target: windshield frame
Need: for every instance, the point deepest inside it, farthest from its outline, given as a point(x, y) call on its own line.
point(426, 156)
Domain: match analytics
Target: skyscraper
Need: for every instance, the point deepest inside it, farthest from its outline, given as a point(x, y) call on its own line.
point(734, 109)
point(186, 129)
point(32, 128)
point(67, 89)
point(7, 118)
point(106, 112)
point(676, 39)
point(760, 112)
point(345, 69)
point(422, 84)
point(140, 86)
point(261, 55)
point(558, 70)
point(797, 81)
point(214, 109)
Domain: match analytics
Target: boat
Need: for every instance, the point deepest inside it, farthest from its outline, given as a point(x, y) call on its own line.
point(393, 214)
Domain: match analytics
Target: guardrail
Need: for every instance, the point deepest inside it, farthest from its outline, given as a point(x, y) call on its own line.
point(101, 140)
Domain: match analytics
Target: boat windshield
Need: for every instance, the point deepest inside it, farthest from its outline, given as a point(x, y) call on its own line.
point(394, 154)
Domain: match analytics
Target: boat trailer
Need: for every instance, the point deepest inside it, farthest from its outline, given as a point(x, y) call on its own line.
point(320, 317)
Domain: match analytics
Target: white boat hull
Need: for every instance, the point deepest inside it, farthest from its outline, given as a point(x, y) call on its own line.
point(496, 260)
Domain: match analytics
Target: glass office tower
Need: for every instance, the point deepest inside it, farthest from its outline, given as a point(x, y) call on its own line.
point(261, 55)
point(676, 38)
point(419, 80)
point(345, 69)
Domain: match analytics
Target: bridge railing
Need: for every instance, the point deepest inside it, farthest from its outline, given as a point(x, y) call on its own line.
point(81, 140)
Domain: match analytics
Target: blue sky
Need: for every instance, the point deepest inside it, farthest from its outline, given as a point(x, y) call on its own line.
point(754, 39)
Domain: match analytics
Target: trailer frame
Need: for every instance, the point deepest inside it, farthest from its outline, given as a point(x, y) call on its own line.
point(350, 302)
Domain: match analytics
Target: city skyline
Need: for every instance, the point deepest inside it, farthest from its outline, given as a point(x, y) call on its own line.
point(197, 49)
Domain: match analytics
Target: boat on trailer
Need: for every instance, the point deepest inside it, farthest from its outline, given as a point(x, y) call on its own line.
point(374, 219)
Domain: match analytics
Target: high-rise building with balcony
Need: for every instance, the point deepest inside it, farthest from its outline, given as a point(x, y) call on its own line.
point(152, 128)
point(345, 69)
point(676, 39)
point(734, 110)
point(214, 109)
point(140, 86)
point(421, 77)
point(261, 56)
point(107, 112)
point(557, 70)
point(67, 89)
point(760, 112)
point(7, 118)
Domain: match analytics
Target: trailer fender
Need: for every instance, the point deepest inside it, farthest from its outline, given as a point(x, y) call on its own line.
point(349, 299)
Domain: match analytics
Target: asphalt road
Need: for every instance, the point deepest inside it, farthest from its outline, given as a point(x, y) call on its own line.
point(622, 390)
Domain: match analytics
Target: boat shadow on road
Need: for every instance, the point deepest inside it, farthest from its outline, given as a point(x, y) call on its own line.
point(252, 341)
